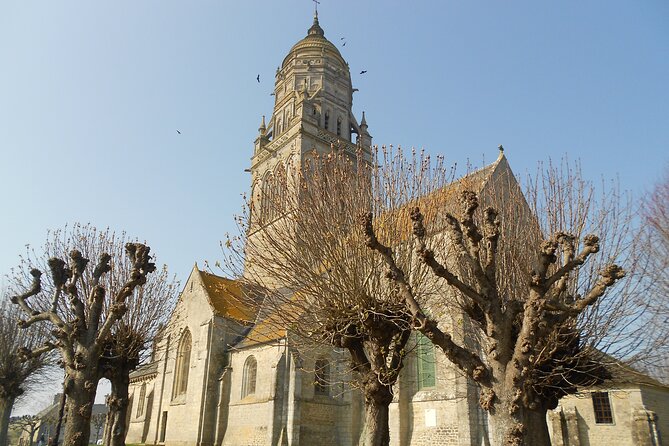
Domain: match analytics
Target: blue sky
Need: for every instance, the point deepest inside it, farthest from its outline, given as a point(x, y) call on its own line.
point(92, 95)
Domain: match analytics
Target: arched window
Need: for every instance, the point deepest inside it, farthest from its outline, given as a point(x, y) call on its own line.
point(182, 365)
point(140, 401)
point(249, 376)
point(327, 120)
point(338, 126)
point(425, 361)
point(322, 376)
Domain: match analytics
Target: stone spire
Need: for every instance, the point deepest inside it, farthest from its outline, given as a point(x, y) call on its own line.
point(316, 29)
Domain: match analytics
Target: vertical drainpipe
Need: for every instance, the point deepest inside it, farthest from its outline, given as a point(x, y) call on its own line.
point(200, 431)
point(162, 390)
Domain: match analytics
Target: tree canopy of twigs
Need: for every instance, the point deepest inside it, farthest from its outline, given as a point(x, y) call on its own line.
point(304, 237)
point(352, 247)
point(17, 376)
point(543, 336)
point(656, 219)
point(84, 306)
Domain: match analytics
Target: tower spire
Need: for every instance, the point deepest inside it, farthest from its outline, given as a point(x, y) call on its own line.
point(315, 27)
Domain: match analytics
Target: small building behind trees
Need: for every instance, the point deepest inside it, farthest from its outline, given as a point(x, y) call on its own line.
point(631, 409)
point(48, 418)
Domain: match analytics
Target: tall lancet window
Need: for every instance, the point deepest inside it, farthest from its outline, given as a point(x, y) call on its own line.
point(249, 377)
point(266, 198)
point(279, 191)
point(338, 126)
point(326, 124)
point(140, 402)
point(182, 365)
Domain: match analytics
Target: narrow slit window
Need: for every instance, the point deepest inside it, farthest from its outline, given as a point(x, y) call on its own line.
point(322, 377)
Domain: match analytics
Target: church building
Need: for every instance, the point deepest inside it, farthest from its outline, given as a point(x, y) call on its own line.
point(223, 375)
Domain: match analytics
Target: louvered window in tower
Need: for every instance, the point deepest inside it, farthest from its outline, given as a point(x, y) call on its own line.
point(425, 363)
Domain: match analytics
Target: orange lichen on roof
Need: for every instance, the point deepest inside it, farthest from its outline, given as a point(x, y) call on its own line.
point(227, 298)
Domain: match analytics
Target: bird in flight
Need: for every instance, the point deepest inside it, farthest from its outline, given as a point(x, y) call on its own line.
point(343, 44)
point(178, 132)
point(258, 78)
point(363, 71)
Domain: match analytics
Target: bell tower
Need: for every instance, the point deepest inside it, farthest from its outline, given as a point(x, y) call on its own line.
point(313, 99)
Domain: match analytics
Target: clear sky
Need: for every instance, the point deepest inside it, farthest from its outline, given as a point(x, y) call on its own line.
point(92, 95)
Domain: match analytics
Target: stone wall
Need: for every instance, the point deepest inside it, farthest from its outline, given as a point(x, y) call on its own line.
point(657, 400)
point(639, 418)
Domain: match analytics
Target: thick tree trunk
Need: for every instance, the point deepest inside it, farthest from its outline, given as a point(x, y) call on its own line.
point(536, 428)
point(79, 406)
point(53, 441)
point(500, 424)
point(6, 404)
point(376, 431)
point(118, 409)
point(529, 429)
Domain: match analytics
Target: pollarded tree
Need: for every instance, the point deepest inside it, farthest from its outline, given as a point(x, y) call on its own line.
point(130, 340)
point(17, 376)
point(541, 320)
point(82, 306)
point(301, 242)
point(28, 424)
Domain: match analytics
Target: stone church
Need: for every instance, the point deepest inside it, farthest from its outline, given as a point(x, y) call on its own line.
point(223, 375)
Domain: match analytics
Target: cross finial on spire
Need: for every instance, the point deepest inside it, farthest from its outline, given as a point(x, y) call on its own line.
point(316, 3)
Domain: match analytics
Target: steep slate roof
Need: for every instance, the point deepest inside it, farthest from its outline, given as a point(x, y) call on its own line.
point(268, 327)
point(435, 203)
point(145, 370)
point(621, 373)
point(624, 374)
